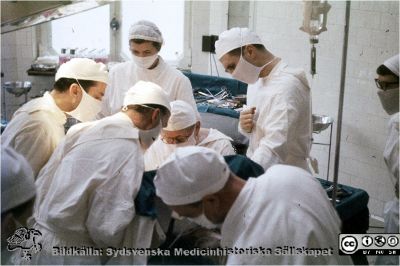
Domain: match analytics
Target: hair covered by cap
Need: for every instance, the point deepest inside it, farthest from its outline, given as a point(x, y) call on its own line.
point(393, 64)
point(83, 69)
point(145, 30)
point(182, 116)
point(146, 92)
point(189, 174)
point(235, 38)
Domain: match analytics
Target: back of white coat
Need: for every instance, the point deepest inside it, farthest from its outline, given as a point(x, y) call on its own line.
point(87, 199)
point(284, 208)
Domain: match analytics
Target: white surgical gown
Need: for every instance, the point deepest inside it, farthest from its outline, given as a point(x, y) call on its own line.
point(86, 193)
point(282, 131)
point(391, 152)
point(35, 130)
point(212, 138)
point(125, 75)
point(286, 206)
point(391, 155)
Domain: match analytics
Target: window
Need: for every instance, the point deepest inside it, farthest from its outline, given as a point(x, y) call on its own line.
point(88, 30)
point(169, 18)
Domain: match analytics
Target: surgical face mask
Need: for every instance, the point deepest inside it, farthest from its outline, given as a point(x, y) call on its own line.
point(145, 62)
point(389, 100)
point(147, 137)
point(203, 221)
point(247, 72)
point(87, 109)
point(190, 142)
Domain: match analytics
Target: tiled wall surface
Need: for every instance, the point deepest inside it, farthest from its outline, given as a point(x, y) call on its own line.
point(18, 51)
point(373, 37)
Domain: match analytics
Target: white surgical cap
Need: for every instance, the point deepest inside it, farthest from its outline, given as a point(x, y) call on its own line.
point(17, 181)
point(146, 92)
point(189, 174)
point(145, 30)
point(393, 64)
point(83, 69)
point(182, 116)
point(235, 38)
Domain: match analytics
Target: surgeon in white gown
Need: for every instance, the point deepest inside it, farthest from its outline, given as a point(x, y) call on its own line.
point(388, 93)
point(86, 191)
point(286, 206)
point(278, 118)
point(184, 130)
point(145, 41)
point(38, 126)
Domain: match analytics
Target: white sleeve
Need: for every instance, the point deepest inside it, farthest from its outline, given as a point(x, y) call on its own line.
point(224, 147)
point(276, 127)
point(111, 205)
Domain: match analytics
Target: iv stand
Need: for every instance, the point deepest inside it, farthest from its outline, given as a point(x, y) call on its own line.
point(340, 108)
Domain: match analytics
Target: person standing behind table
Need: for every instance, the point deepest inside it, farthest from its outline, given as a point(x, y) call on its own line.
point(182, 130)
point(388, 93)
point(278, 123)
point(286, 206)
point(145, 41)
point(38, 126)
point(86, 193)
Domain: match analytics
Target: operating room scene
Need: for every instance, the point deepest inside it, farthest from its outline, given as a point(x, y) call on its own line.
point(189, 132)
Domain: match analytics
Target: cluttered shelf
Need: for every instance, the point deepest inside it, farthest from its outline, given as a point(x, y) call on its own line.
point(33, 72)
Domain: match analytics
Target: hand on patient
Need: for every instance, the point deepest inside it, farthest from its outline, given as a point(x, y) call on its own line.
point(246, 119)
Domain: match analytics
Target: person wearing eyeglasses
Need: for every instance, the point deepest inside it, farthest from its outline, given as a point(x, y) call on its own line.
point(388, 93)
point(182, 130)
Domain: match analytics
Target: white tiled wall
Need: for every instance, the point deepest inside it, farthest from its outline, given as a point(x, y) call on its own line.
point(373, 37)
point(18, 51)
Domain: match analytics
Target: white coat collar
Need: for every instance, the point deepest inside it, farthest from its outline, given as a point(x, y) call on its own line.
point(213, 135)
point(276, 70)
point(117, 126)
point(45, 103)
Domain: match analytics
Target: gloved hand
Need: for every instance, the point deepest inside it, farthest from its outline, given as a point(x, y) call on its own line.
point(246, 119)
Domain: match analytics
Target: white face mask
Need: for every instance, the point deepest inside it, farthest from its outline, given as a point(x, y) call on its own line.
point(247, 72)
point(389, 100)
point(145, 62)
point(190, 142)
point(87, 108)
point(147, 137)
point(203, 221)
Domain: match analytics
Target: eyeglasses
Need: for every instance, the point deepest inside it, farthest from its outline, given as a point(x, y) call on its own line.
point(176, 140)
point(384, 85)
